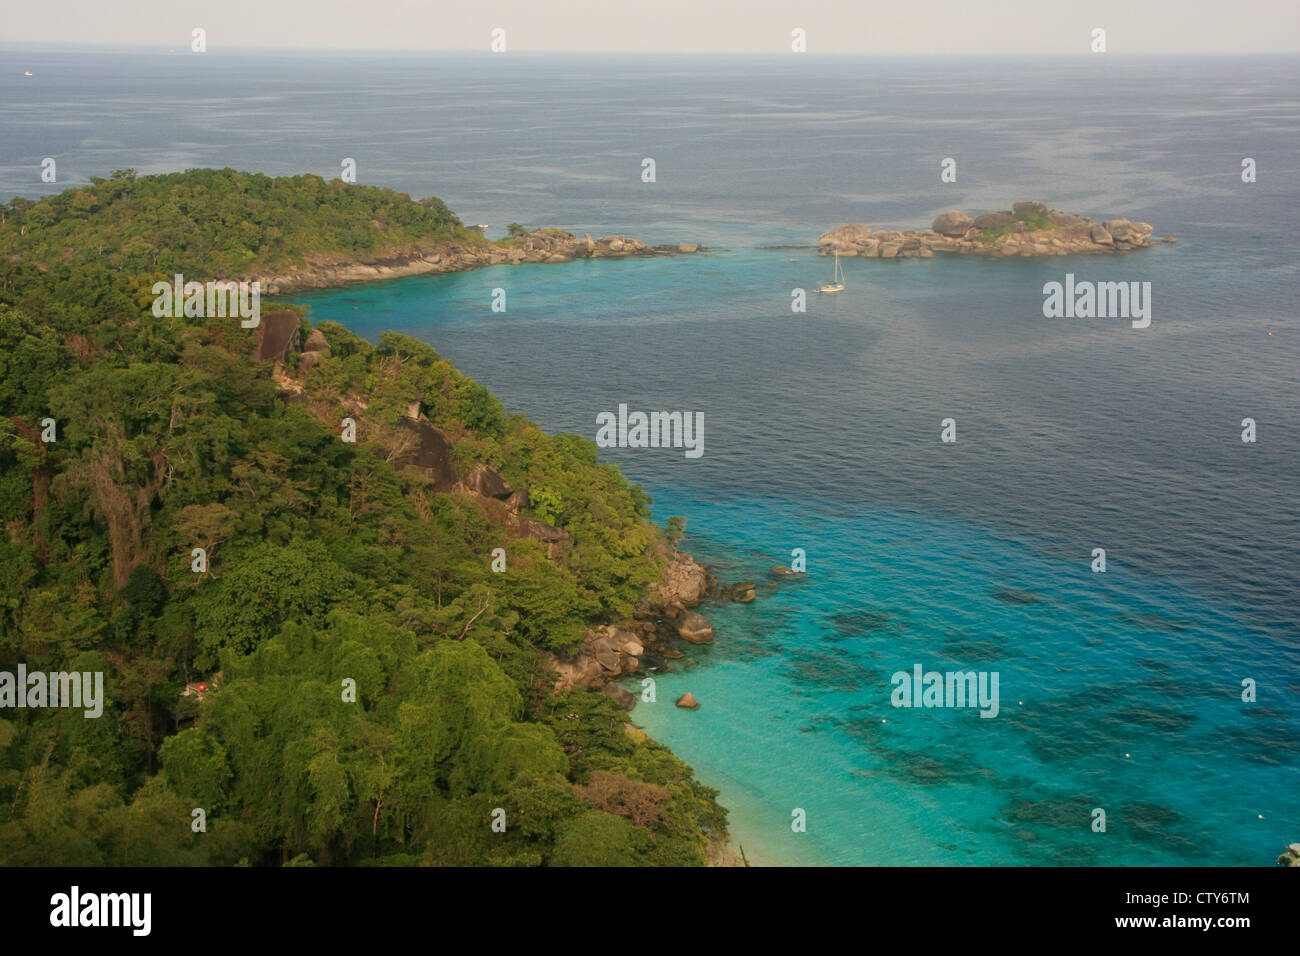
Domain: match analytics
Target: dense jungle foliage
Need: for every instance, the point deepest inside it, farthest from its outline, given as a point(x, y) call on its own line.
point(327, 562)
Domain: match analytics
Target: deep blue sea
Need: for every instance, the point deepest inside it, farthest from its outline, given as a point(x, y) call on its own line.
point(1118, 690)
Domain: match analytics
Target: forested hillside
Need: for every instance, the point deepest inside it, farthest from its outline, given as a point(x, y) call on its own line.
point(220, 222)
point(327, 562)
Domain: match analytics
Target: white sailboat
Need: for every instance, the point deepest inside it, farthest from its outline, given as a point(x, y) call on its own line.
point(838, 284)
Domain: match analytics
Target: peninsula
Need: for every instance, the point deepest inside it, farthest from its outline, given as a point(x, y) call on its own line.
point(286, 233)
point(459, 255)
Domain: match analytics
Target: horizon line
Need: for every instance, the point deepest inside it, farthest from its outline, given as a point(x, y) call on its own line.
point(159, 49)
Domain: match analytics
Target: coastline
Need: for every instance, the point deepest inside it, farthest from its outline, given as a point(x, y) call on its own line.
point(668, 617)
point(615, 649)
point(1028, 229)
point(748, 822)
point(812, 416)
point(324, 271)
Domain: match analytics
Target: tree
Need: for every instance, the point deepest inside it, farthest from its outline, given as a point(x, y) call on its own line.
point(596, 839)
point(675, 530)
point(266, 586)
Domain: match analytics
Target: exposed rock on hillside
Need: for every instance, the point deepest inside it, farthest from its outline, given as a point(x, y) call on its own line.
point(624, 698)
point(316, 342)
point(488, 482)
point(684, 583)
point(430, 451)
point(556, 539)
point(615, 650)
point(315, 348)
point(277, 335)
point(605, 654)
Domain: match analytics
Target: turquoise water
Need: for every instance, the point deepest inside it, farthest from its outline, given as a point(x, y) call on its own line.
point(1118, 691)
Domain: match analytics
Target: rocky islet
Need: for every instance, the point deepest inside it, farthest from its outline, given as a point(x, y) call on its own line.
point(1027, 229)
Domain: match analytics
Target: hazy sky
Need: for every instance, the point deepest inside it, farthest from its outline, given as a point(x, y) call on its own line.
point(833, 26)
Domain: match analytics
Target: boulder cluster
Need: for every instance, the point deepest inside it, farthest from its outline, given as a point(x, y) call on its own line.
point(1027, 229)
point(616, 650)
point(556, 245)
point(662, 623)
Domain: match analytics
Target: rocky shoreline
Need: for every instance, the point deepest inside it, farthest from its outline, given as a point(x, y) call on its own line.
point(1027, 229)
point(662, 624)
point(541, 245)
point(651, 644)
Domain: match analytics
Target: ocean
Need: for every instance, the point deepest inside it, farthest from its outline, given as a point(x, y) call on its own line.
point(1119, 691)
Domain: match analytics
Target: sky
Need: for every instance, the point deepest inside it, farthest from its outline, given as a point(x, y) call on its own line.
point(683, 26)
